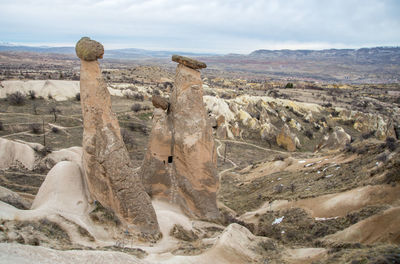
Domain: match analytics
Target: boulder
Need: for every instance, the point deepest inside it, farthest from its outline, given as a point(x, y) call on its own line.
point(159, 102)
point(109, 174)
point(286, 139)
point(189, 62)
point(89, 50)
point(180, 164)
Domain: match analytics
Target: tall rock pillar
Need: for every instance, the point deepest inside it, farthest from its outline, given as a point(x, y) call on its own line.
point(108, 171)
point(180, 164)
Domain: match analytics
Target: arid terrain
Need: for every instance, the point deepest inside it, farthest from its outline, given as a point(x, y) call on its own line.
point(308, 160)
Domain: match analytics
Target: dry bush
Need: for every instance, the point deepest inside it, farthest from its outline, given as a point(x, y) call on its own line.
point(391, 143)
point(35, 128)
point(16, 98)
point(129, 138)
point(308, 134)
point(136, 107)
point(138, 97)
point(32, 94)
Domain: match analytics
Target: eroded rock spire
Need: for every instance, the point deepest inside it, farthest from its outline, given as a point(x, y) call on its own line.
point(108, 171)
point(180, 164)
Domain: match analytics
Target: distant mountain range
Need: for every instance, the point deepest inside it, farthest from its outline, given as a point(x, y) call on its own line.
point(130, 53)
point(365, 65)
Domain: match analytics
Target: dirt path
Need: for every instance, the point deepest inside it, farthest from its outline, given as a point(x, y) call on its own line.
point(253, 145)
point(234, 166)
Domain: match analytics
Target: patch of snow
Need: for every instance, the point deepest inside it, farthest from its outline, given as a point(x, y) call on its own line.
point(302, 161)
point(278, 220)
point(328, 176)
point(325, 218)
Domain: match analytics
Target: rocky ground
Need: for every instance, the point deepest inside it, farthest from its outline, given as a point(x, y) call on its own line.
point(308, 174)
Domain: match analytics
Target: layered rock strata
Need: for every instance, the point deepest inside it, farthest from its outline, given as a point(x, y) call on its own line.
point(180, 164)
point(108, 171)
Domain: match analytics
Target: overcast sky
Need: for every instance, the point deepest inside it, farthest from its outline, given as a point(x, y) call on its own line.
point(221, 26)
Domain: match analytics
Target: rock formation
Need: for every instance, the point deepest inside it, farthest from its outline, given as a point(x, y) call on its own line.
point(108, 171)
point(287, 139)
point(180, 164)
point(336, 140)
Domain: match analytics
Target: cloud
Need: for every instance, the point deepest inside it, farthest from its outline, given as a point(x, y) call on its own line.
point(209, 25)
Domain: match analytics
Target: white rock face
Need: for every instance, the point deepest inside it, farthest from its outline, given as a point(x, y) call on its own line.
point(218, 107)
point(16, 153)
point(22, 254)
point(58, 89)
point(63, 190)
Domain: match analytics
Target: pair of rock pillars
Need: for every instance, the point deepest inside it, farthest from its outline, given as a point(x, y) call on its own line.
point(180, 163)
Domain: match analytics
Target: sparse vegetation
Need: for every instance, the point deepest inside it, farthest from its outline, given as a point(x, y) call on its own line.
point(16, 98)
point(35, 128)
point(55, 130)
point(55, 111)
point(128, 138)
point(289, 85)
point(32, 94)
point(136, 107)
point(391, 143)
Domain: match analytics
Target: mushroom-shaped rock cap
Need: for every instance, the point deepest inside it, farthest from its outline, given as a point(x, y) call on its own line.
point(191, 63)
point(89, 50)
point(159, 102)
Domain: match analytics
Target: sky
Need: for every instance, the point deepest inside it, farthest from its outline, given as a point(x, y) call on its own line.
point(216, 26)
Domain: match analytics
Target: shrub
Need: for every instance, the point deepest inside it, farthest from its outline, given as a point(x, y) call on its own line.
point(49, 96)
point(78, 97)
point(34, 108)
point(382, 157)
point(156, 92)
point(136, 107)
point(327, 105)
point(53, 110)
point(225, 96)
point(35, 128)
point(349, 148)
point(138, 97)
point(16, 98)
point(128, 138)
point(1, 126)
point(32, 94)
point(289, 85)
point(278, 188)
point(55, 130)
point(368, 134)
point(308, 134)
point(138, 127)
point(391, 143)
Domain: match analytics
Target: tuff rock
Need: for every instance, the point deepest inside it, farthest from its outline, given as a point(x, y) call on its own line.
point(109, 174)
point(180, 164)
point(189, 62)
